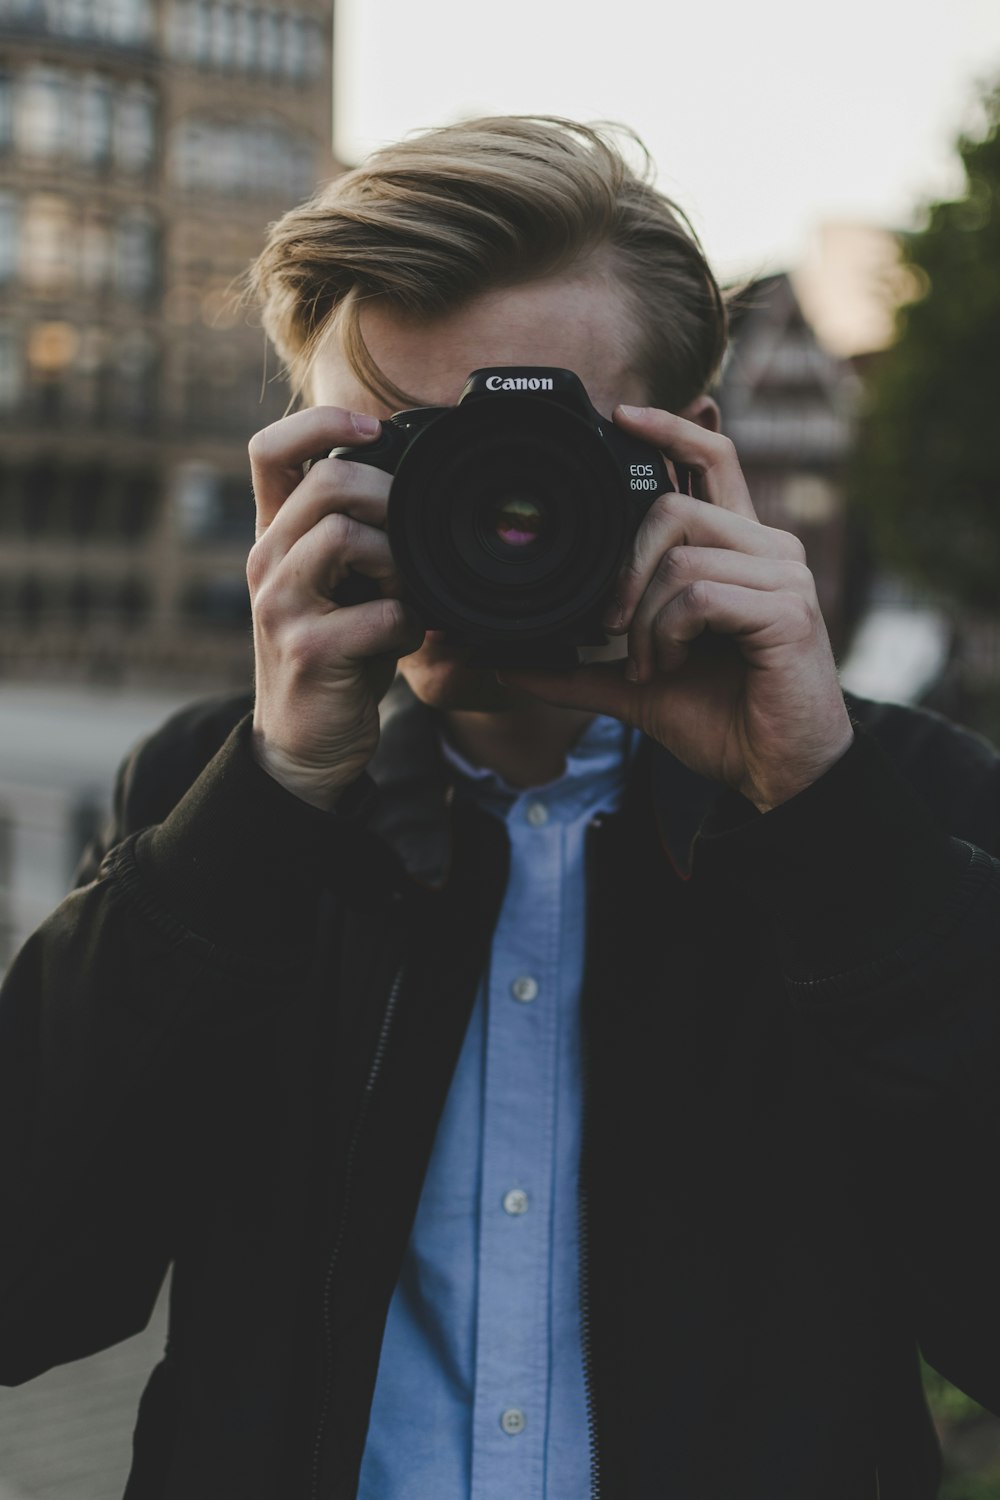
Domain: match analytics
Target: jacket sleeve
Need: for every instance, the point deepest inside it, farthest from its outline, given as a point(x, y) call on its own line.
point(888, 931)
point(117, 1021)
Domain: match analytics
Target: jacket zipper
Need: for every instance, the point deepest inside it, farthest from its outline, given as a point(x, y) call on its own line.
point(331, 1266)
point(585, 1337)
point(583, 1232)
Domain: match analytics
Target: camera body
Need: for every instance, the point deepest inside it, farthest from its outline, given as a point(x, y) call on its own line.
point(511, 512)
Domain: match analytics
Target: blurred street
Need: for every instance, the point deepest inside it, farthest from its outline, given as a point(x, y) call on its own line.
point(68, 1434)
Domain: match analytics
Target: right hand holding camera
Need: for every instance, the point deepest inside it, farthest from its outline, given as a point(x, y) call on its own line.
point(321, 668)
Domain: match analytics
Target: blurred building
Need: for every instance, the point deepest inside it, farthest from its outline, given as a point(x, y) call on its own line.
point(144, 146)
point(789, 405)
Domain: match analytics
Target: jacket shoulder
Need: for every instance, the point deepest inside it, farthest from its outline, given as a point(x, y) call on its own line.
point(154, 776)
point(161, 768)
point(955, 771)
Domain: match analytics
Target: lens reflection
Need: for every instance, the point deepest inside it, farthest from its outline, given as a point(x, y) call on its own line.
point(519, 521)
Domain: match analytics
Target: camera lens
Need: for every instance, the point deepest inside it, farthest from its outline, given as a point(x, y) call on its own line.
point(518, 522)
point(507, 519)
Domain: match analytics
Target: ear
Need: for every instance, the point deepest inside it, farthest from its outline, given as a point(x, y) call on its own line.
point(705, 412)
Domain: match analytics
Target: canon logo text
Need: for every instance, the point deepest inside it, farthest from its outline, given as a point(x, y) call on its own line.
point(518, 383)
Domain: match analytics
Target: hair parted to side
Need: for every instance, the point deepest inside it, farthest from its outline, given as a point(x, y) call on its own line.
point(435, 220)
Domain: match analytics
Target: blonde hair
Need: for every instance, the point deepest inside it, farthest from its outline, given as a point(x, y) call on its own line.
point(435, 220)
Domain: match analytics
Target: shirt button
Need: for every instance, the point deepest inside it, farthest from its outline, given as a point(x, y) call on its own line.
point(512, 1421)
point(524, 988)
point(537, 814)
point(515, 1202)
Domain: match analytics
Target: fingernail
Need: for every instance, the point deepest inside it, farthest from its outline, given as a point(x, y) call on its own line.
point(367, 426)
point(631, 671)
point(613, 615)
point(635, 412)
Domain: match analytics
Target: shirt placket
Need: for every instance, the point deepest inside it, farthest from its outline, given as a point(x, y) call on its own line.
point(515, 1210)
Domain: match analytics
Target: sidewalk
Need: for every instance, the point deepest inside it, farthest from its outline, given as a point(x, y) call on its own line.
point(68, 1434)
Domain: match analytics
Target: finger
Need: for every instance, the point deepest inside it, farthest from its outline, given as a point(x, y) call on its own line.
point(756, 619)
point(683, 566)
point(675, 521)
point(711, 455)
point(332, 484)
point(382, 627)
point(335, 546)
point(278, 452)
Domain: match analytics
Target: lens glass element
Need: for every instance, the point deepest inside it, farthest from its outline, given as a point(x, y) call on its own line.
point(518, 522)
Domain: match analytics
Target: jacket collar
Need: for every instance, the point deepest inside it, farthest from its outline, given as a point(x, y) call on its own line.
point(417, 786)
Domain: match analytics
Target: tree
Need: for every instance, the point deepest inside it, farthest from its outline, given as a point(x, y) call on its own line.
point(928, 468)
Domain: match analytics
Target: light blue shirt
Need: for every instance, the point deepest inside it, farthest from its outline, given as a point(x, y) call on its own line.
point(480, 1391)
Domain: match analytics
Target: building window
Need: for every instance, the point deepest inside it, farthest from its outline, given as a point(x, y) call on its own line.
point(245, 38)
point(258, 158)
point(136, 369)
point(294, 49)
point(135, 129)
point(140, 506)
point(6, 111)
point(129, 23)
point(24, 13)
point(135, 256)
point(41, 125)
point(222, 37)
point(9, 229)
point(222, 603)
point(94, 255)
point(122, 23)
point(47, 245)
point(213, 507)
point(93, 138)
point(11, 372)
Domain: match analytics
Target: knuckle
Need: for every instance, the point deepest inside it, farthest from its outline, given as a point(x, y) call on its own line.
point(801, 613)
point(630, 575)
point(696, 596)
point(335, 474)
point(256, 565)
point(304, 647)
point(674, 564)
point(801, 577)
point(793, 548)
point(337, 530)
point(393, 615)
point(262, 445)
point(666, 506)
point(267, 607)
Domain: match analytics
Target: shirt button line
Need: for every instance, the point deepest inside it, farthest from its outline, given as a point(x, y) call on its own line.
point(512, 1421)
point(515, 1202)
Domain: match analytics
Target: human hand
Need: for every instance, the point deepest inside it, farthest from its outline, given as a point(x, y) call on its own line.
point(757, 704)
point(321, 668)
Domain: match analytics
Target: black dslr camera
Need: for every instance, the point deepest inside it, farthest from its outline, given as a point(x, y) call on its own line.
point(510, 513)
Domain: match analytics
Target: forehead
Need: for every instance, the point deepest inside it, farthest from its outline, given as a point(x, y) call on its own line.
point(576, 323)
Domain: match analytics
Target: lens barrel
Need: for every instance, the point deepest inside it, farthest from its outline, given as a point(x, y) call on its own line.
point(507, 519)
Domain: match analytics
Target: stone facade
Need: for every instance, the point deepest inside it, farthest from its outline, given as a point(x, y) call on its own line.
point(144, 147)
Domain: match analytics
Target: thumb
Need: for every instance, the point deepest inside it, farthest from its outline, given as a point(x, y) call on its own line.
point(600, 688)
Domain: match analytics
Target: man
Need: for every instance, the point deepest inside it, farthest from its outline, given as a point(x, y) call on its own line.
point(584, 1083)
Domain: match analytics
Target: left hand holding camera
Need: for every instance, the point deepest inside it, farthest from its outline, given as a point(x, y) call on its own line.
point(764, 714)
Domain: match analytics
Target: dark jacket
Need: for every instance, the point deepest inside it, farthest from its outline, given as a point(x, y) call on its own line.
point(230, 1047)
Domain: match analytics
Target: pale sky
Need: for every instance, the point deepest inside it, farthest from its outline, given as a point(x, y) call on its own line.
point(766, 118)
